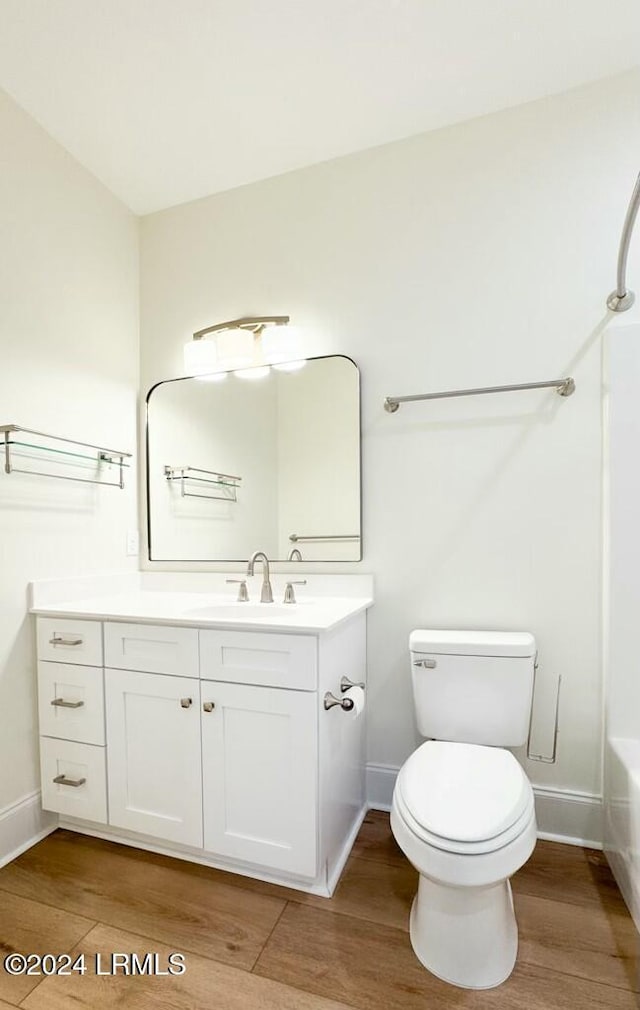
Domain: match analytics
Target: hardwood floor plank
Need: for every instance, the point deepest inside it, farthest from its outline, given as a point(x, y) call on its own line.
point(205, 984)
point(373, 967)
point(28, 927)
point(375, 840)
point(159, 898)
point(600, 944)
point(376, 891)
point(578, 945)
point(568, 873)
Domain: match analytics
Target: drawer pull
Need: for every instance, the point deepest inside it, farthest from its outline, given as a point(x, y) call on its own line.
point(62, 780)
point(59, 640)
point(61, 703)
point(186, 702)
point(208, 706)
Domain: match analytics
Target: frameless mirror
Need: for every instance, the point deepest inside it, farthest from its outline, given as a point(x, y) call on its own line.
point(242, 464)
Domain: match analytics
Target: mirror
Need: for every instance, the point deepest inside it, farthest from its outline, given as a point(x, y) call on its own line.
point(244, 464)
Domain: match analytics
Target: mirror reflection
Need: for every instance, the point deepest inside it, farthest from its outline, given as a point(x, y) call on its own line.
point(269, 463)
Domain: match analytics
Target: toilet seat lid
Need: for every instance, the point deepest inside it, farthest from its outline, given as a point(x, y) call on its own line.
point(463, 792)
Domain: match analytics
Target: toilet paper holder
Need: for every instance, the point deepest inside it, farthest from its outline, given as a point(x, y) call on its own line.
point(346, 684)
point(346, 704)
point(330, 701)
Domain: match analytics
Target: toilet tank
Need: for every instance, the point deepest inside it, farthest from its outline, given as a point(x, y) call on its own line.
point(473, 686)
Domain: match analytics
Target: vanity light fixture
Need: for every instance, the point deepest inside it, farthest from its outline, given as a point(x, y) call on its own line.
point(246, 346)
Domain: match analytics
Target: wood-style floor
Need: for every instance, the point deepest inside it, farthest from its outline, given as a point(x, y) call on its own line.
point(255, 946)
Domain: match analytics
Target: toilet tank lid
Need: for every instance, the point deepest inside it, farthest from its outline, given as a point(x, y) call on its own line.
point(473, 643)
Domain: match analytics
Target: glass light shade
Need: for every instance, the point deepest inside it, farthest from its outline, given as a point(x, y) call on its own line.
point(235, 348)
point(279, 344)
point(259, 372)
point(200, 357)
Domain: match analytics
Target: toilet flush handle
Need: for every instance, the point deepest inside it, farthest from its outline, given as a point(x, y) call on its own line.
point(429, 664)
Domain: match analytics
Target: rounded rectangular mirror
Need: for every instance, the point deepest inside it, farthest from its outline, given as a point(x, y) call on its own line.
point(238, 463)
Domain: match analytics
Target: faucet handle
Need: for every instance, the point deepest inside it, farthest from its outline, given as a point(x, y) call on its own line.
point(243, 594)
point(289, 594)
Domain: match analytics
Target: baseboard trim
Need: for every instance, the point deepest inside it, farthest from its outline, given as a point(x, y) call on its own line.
point(563, 815)
point(147, 843)
point(22, 824)
point(333, 876)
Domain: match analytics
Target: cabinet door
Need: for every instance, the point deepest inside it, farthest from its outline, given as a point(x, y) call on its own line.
point(153, 747)
point(259, 760)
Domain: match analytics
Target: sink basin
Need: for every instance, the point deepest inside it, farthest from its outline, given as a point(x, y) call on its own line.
point(241, 611)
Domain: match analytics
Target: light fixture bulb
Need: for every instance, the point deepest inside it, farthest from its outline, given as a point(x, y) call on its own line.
point(279, 344)
point(235, 348)
point(200, 357)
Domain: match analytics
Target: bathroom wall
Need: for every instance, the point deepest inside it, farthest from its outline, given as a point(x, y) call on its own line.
point(475, 255)
point(69, 367)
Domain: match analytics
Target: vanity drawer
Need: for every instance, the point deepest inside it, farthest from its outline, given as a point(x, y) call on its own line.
point(247, 657)
point(152, 648)
point(64, 640)
point(82, 769)
point(71, 702)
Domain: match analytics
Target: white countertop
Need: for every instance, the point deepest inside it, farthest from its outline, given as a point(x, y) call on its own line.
point(209, 610)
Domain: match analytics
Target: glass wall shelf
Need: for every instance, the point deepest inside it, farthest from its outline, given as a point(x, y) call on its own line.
point(27, 444)
point(223, 486)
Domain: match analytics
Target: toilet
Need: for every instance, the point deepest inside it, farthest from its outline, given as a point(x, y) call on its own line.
point(462, 810)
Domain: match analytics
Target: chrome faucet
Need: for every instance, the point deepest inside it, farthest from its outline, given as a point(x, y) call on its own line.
point(294, 555)
point(266, 596)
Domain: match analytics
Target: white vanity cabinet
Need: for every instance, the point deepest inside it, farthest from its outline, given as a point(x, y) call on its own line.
point(208, 743)
point(260, 747)
point(260, 772)
point(153, 747)
point(71, 715)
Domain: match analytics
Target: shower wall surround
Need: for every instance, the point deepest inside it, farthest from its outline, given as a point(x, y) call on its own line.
point(622, 594)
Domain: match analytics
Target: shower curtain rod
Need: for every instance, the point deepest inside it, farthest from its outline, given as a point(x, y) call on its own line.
point(621, 299)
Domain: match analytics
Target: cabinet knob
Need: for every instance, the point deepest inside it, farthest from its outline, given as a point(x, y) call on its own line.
point(186, 702)
point(208, 706)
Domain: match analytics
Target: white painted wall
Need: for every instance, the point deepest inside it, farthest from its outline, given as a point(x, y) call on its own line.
point(69, 366)
point(479, 254)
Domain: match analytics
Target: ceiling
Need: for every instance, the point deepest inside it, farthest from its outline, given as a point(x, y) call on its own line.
point(166, 101)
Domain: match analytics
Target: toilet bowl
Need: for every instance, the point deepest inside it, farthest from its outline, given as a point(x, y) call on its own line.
point(464, 816)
